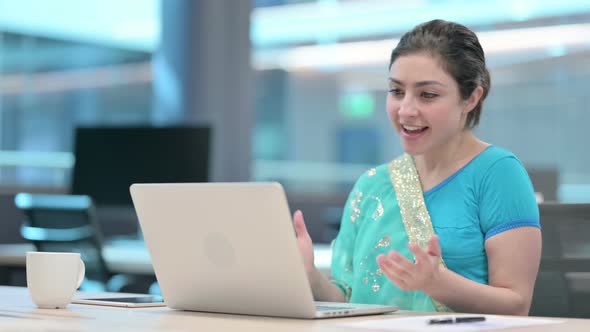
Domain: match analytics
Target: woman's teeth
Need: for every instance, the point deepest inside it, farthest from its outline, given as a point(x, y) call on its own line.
point(413, 128)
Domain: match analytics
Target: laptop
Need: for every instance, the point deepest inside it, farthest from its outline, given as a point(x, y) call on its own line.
point(229, 248)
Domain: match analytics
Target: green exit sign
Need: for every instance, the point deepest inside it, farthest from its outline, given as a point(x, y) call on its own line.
point(357, 105)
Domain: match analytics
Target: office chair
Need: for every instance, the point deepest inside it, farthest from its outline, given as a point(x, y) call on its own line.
point(545, 181)
point(563, 283)
point(68, 223)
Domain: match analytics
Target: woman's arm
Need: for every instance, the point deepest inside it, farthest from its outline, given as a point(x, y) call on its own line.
point(513, 263)
point(322, 288)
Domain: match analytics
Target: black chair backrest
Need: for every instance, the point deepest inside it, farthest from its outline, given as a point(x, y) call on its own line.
point(563, 284)
point(64, 223)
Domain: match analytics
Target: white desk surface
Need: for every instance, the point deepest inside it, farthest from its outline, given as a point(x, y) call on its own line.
point(131, 256)
point(18, 313)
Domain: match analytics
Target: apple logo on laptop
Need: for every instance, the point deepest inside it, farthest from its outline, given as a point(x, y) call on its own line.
point(218, 250)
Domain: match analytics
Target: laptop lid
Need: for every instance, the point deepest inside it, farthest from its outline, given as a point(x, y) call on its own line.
point(230, 248)
point(224, 247)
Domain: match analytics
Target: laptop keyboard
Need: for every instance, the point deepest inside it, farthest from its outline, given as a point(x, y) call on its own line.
point(331, 307)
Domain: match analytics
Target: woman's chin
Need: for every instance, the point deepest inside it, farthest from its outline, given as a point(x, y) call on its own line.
point(412, 149)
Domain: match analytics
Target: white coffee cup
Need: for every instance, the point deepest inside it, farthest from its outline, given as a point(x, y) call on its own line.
point(53, 277)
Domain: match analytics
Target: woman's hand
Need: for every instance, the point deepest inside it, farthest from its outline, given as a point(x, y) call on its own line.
point(322, 288)
point(304, 243)
point(419, 275)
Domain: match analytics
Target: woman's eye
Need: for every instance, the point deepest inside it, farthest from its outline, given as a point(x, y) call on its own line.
point(396, 92)
point(429, 95)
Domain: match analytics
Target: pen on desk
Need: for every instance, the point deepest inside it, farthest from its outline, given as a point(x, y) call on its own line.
point(470, 319)
point(455, 320)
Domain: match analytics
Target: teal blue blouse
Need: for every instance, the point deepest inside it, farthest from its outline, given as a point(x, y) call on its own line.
point(489, 195)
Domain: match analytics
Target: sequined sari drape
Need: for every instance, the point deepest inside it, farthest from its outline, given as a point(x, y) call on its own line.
point(373, 224)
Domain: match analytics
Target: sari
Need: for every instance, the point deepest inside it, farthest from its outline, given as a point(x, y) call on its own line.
point(387, 209)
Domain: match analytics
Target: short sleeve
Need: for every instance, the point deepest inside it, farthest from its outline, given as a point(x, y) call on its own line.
point(343, 245)
point(507, 198)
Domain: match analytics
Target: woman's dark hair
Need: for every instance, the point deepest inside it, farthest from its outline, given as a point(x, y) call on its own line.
point(460, 53)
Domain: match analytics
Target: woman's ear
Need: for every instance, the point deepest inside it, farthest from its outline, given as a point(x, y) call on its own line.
point(473, 99)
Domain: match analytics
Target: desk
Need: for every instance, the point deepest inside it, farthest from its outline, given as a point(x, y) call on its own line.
point(18, 313)
point(131, 256)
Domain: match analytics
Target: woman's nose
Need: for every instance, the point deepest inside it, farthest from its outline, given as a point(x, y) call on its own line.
point(407, 107)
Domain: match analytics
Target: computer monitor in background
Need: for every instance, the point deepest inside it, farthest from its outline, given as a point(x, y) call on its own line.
point(110, 159)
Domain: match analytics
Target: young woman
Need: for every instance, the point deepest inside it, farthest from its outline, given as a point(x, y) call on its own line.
point(453, 224)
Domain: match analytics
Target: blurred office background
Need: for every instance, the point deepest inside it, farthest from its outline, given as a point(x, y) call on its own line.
point(294, 91)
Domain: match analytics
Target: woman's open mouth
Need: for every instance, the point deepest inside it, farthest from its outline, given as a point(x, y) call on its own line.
point(413, 132)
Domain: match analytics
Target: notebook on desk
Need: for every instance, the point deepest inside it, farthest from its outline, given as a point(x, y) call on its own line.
point(229, 248)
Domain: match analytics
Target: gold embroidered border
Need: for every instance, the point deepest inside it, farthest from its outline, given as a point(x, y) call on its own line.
point(408, 190)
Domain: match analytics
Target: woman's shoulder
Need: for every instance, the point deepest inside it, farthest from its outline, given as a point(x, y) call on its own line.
point(493, 153)
point(492, 156)
point(498, 166)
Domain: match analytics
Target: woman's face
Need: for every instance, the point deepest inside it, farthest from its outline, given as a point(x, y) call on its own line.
point(424, 104)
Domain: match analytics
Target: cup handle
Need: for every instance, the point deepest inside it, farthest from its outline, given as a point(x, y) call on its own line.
point(81, 273)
